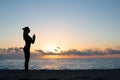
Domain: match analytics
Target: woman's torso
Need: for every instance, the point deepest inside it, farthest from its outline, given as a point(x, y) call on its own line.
point(28, 40)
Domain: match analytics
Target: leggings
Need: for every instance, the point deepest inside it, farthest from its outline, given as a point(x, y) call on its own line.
point(27, 57)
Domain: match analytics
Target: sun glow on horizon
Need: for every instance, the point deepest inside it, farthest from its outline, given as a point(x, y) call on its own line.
point(55, 56)
point(79, 57)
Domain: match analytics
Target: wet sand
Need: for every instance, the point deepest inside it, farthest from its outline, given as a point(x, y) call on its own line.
point(92, 74)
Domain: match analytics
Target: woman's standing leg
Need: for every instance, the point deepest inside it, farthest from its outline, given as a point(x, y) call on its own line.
point(27, 57)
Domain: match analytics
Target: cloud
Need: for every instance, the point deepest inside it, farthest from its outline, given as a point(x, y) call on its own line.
point(17, 52)
point(14, 53)
point(40, 52)
point(11, 50)
point(11, 53)
point(112, 51)
point(85, 52)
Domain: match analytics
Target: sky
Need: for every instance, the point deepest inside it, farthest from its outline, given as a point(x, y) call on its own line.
point(68, 24)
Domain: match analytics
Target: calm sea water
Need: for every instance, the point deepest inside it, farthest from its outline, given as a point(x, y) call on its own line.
point(58, 64)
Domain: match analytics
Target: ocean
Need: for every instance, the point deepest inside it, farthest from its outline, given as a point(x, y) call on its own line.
point(62, 64)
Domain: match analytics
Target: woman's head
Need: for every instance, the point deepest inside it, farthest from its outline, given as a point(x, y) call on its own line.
point(26, 29)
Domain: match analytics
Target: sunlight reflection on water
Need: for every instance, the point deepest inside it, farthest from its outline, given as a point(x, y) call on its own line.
point(57, 64)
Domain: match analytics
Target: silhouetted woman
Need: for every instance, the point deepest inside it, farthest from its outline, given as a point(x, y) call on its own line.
point(28, 41)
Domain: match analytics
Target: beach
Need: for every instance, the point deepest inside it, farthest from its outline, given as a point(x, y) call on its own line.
point(90, 74)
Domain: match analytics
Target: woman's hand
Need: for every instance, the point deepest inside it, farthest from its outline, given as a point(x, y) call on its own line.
point(33, 36)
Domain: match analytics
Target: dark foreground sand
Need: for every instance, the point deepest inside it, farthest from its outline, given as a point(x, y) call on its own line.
point(104, 74)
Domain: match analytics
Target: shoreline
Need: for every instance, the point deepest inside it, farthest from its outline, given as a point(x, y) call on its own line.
point(87, 74)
